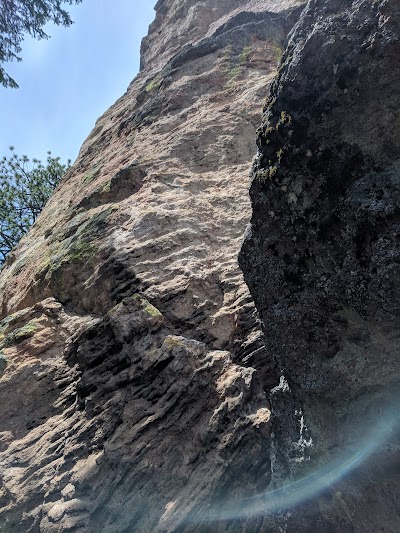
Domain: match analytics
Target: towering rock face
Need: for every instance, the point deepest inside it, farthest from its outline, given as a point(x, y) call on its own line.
point(128, 391)
point(134, 379)
point(322, 255)
point(156, 201)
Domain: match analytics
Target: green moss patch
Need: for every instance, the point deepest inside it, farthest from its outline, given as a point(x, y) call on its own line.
point(106, 187)
point(77, 244)
point(245, 54)
point(6, 323)
point(172, 342)
point(153, 85)
point(91, 175)
point(235, 60)
point(19, 335)
point(147, 306)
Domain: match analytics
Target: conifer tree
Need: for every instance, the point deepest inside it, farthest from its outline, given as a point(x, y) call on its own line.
point(21, 17)
point(25, 187)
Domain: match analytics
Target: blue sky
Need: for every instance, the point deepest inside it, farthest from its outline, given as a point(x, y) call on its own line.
point(69, 80)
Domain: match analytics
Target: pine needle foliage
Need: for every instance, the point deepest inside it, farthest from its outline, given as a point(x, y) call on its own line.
point(21, 17)
point(25, 187)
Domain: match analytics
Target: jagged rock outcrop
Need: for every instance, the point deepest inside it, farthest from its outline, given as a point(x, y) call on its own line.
point(321, 257)
point(128, 391)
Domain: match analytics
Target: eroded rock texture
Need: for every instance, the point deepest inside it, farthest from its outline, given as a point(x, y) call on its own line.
point(129, 396)
point(322, 254)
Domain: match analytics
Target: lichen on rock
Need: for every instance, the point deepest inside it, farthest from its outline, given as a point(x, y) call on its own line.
point(321, 256)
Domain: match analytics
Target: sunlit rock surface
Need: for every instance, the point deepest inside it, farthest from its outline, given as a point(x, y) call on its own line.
point(321, 258)
point(133, 376)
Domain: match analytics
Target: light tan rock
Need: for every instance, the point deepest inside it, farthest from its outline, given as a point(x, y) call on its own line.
point(128, 399)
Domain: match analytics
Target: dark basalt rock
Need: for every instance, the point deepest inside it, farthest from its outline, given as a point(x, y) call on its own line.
point(322, 254)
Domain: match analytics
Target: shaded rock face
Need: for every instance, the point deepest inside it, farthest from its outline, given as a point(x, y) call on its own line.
point(93, 440)
point(321, 256)
point(129, 395)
